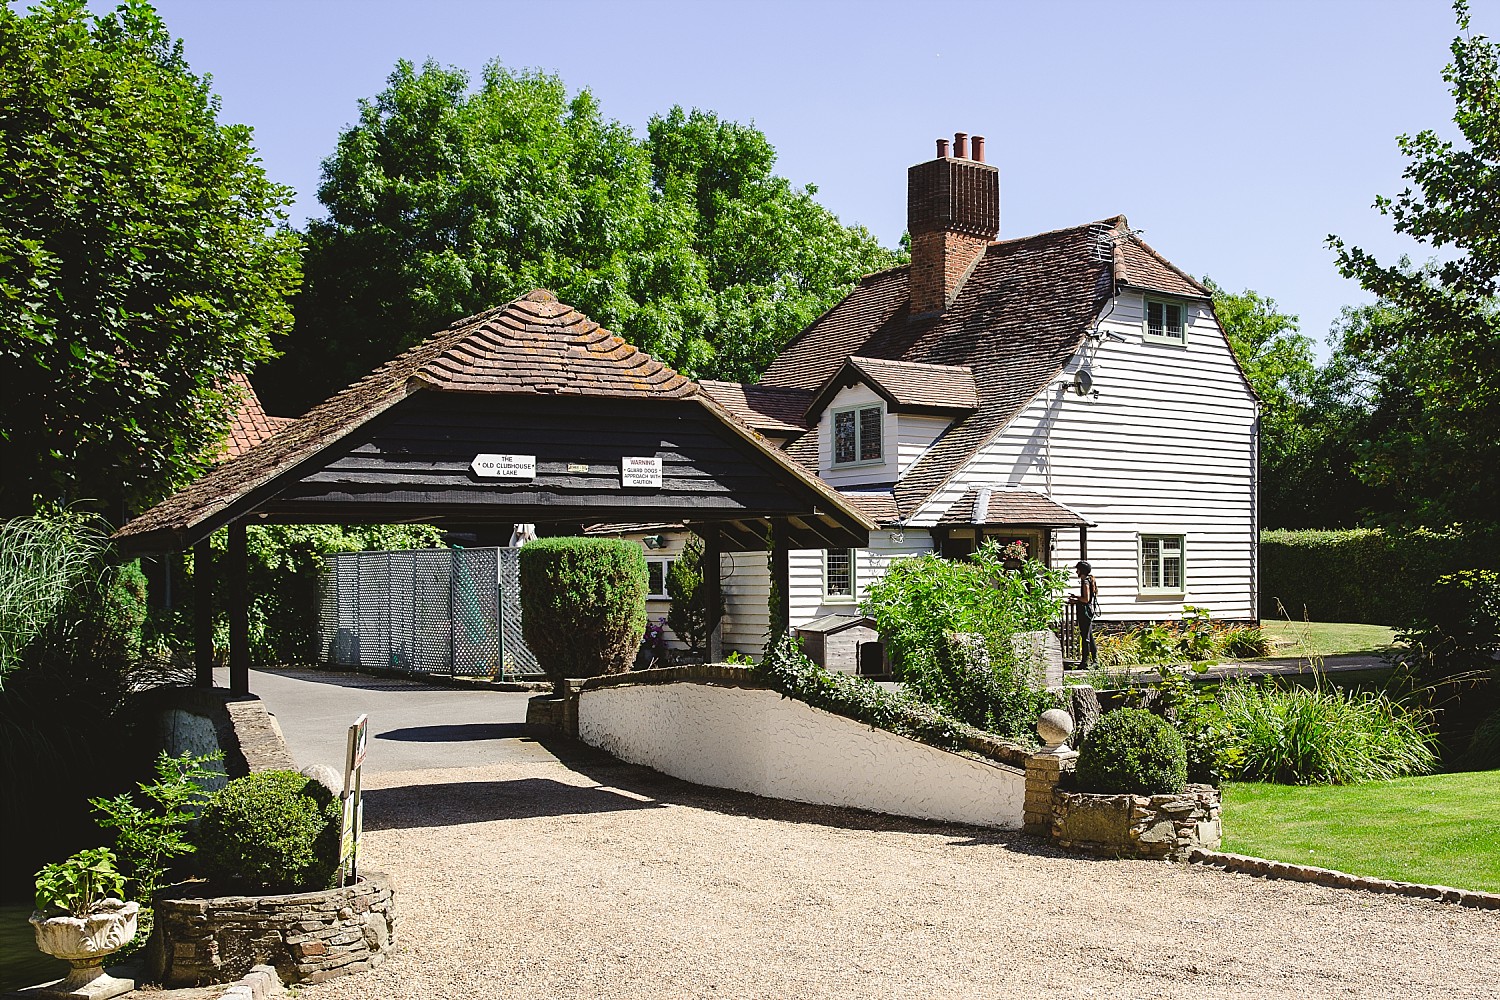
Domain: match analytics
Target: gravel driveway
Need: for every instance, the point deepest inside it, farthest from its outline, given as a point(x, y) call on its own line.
point(584, 877)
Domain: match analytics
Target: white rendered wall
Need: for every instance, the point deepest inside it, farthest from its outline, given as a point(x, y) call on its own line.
point(905, 437)
point(754, 740)
point(1167, 448)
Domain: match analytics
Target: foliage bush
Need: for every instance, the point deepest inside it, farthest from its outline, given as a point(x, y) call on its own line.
point(583, 604)
point(80, 884)
point(1483, 753)
point(1321, 735)
point(271, 831)
point(1194, 639)
point(1460, 629)
point(784, 668)
point(923, 602)
point(1364, 574)
point(688, 616)
point(42, 559)
point(1130, 751)
point(149, 837)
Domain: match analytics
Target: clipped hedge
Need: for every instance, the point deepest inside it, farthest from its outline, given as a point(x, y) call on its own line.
point(271, 831)
point(1130, 751)
point(1363, 574)
point(583, 604)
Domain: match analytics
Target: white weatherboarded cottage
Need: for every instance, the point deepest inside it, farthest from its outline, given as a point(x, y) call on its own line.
point(1072, 390)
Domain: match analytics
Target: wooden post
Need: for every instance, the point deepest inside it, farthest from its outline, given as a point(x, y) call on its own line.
point(713, 584)
point(781, 612)
point(203, 615)
point(238, 606)
point(1083, 542)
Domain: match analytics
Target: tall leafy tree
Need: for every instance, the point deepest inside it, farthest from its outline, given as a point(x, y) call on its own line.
point(444, 200)
point(139, 261)
point(1440, 331)
point(1309, 416)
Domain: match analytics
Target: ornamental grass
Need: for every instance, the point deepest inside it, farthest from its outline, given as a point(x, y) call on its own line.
point(1321, 735)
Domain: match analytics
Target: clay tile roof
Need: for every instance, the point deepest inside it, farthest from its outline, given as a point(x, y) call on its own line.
point(985, 505)
point(1140, 266)
point(534, 345)
point(913, 385)
point(879, 506)
point(768, 409)
point(1022, 313)
point(252, 424)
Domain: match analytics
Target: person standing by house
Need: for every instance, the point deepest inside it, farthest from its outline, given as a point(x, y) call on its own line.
point(1086, 601)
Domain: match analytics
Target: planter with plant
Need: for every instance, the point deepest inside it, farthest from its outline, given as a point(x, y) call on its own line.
point(82, 917)
point(1130, 796)
point(273, 836)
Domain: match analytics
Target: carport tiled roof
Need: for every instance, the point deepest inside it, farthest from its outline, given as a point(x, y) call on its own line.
point(533, 345)
point(984, 505)
point(1022, 313)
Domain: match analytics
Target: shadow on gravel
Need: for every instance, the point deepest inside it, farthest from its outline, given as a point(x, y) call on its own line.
point(417, 806)
point(457, 733)
point(668, 791)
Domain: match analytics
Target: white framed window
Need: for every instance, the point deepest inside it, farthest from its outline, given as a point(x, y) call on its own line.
point(657, 568)
point(838, 575)
point(1165, 322)
point(858, 435)
point(1163, 564)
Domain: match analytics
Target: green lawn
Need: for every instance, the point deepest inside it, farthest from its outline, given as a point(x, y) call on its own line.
point(1441, 829)
point(1326, 638)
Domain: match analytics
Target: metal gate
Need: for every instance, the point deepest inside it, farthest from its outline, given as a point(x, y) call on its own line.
point(426, 611)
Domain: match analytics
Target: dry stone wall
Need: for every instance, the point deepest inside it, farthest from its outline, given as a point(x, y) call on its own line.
point(307, 937)
point(1139, 826)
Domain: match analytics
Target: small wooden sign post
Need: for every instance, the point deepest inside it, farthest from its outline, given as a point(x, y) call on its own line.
point(354, 807)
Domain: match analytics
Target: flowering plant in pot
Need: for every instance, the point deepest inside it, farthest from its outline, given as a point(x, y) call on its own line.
point(82, 918)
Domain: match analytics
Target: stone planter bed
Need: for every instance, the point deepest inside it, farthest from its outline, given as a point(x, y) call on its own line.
point(307, 936)
point(1137, 826)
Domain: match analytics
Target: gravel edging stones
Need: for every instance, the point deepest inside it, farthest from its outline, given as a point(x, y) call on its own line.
point(1341, 880)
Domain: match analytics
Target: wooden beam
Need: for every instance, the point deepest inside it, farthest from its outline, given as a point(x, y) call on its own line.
point(203, 615)
point(237, 601)
point(1083, 542)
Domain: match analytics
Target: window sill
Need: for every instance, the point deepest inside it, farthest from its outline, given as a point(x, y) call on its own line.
point(838, 466)
point(1164, 341)
point(835, 599)
point(1161, 595)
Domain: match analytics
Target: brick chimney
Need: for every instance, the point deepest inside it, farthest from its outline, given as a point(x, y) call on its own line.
point(952, 212)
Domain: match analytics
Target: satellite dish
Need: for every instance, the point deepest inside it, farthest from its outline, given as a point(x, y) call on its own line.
point(1083, 381)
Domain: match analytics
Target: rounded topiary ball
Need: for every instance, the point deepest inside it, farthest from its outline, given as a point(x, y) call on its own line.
point(1131, 751)
point(273, 831)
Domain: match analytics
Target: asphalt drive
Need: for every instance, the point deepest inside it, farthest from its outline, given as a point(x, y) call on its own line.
point(413, 726)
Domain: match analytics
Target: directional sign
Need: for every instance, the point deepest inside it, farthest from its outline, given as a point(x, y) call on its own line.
point(640, 473)
point(504, 466)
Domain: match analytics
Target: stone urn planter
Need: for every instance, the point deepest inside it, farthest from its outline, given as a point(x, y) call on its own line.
point(84, 943)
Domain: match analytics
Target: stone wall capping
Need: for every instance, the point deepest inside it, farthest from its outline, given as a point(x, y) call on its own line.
point(1266, 868)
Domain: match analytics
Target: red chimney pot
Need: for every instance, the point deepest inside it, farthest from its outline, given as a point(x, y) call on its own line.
point(979, 149)
point(961, 145)
point(942, 149)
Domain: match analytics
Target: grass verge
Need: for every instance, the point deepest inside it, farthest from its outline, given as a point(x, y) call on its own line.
point(1441, 829)
point(1326, 638)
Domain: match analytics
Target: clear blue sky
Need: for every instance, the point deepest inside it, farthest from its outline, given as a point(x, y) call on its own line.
point(1236, 135)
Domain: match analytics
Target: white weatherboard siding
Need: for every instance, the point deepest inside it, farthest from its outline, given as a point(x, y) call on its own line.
point(806, 593)
point(1168, 448)
point(747, 609)
point(754, 740)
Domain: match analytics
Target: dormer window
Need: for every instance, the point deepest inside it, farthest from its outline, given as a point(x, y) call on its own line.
point(1164, 322)
point(857, 435)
